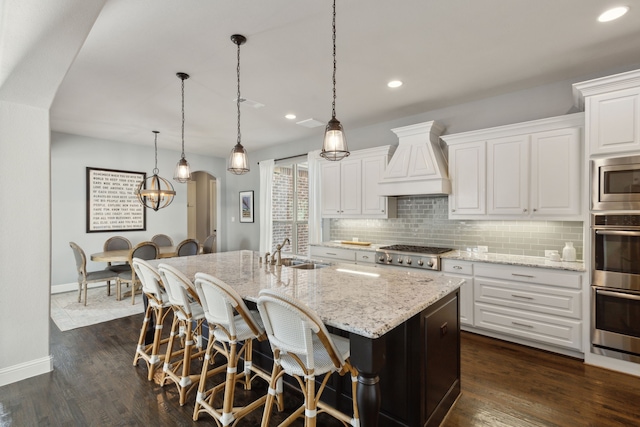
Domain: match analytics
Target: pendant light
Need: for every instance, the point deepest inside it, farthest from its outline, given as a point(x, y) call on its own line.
point(334, 146)
point(238, 159)
point(183, 172)
point(155, 192)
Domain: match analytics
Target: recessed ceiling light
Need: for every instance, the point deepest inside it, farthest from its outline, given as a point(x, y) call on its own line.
point(613, 13)
point(394, 83)
point(290, 116)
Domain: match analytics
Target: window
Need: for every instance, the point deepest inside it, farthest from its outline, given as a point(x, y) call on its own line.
point(290, 204)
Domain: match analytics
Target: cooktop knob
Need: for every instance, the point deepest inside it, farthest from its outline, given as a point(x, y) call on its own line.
point(408, 261)
point(430, 263)
point(381, 259)
point(399, 260)
point(420, 262)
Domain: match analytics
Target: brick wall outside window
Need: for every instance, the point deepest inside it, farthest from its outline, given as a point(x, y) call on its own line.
point(283, 200)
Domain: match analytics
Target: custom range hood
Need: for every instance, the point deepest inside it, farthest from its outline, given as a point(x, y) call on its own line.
point(418, 166)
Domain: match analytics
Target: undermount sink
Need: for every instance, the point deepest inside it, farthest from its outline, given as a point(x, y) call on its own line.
point(309, 266)
point(302, 264)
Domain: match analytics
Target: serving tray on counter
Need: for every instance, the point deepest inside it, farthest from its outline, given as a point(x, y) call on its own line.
point(351, 242)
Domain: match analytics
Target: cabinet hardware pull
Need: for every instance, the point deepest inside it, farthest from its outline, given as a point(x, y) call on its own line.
point(522, 275)
point(329, 253)
point(521, 296)
point(524, 210)
point(535, 210)
point(457, 267)
point(365, 257)
point(453, 210)
point(382, 211)
point(617, 233)
point(522, 324)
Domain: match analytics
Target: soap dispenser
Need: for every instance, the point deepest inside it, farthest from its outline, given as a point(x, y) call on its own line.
point(568, 252)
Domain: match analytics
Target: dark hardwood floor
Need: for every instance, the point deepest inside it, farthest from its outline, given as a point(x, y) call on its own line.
point(503, 384)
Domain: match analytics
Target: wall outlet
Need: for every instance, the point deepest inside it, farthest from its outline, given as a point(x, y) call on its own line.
point(483, 249)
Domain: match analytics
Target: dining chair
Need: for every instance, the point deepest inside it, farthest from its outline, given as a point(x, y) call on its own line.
point(209, 245)
point(188, 317)
point(162, 240)
point(303, 348)
point(85, 277)
point(158, 307)
point(145, 251)
point(235, 327)
point(188, 247)
point(116, 243)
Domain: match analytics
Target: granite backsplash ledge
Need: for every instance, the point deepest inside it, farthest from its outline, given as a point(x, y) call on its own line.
point(424, 221)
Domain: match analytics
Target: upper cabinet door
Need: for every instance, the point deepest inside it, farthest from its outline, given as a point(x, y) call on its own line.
point(351, 187)
point(613, 121)
point(508, 175)
point(372, 172)
point(467, 170)
point(331, 189)
point(555, 172)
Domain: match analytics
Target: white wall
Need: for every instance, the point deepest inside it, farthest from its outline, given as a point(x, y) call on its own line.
point(70, 156)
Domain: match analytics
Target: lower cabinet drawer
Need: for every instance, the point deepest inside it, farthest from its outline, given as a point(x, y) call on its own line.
point(552, 330)
point(365, 257)
point(541, 299)
point(322, 252)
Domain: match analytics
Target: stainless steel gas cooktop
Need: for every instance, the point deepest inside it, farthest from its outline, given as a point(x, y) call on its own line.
point(425, 257)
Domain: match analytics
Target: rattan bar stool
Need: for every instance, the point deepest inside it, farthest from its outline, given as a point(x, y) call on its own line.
point(159, 307)
point(303, 348)
point(233, 325)
point(188, 317)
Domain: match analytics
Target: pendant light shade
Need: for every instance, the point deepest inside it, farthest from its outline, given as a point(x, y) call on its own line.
point(182, 173)
point(334, 146)
point(238, 163)
point(155, 192)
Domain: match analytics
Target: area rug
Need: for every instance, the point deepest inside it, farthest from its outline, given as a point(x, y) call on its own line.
point(69, 314)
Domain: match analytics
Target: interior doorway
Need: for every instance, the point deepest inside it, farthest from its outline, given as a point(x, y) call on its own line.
point(202, 206)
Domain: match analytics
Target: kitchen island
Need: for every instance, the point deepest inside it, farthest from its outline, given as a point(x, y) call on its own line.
point(403, 328)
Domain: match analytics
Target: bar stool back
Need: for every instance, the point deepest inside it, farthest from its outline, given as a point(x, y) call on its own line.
point(232, 324)
point(188, 317)
point(159, 307)
point(303, 348)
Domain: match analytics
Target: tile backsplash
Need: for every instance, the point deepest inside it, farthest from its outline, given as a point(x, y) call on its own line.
point(423, 220)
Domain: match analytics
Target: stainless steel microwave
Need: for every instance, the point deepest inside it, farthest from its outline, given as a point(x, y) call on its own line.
point(615, 183)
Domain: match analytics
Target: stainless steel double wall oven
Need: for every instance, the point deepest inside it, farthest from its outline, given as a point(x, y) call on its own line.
point(615, 247)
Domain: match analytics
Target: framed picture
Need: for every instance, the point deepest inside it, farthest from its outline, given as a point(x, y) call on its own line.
point(112, 204)
point(246, 206)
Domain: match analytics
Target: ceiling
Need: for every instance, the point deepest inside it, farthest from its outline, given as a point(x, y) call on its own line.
point(123, 82)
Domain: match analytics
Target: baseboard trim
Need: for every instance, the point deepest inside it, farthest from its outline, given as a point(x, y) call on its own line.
point(26, 370)
point(70, 287)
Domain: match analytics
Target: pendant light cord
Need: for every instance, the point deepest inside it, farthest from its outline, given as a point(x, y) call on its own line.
point(182, 78)
point(155, 144)
point(238, 94)
point(333, 104)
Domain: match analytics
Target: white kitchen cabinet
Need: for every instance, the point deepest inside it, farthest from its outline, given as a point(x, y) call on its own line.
point(508, 175)
point(349, 187)
point(532, 171)
point(612, 107)
point(462, 270)
point(532, 304)
point(467, 171)
point(373, 205)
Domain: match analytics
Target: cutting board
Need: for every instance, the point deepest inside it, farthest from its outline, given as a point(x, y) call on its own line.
point(351, 242)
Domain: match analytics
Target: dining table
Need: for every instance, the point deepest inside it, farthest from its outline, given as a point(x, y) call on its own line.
point(122, 255)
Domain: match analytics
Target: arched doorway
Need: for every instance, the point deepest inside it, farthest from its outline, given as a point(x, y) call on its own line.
point(202, 206)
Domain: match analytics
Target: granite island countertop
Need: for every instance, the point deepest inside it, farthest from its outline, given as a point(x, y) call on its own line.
point(364, 300)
